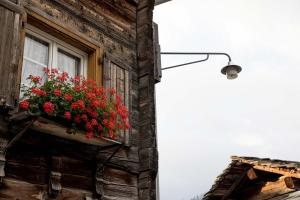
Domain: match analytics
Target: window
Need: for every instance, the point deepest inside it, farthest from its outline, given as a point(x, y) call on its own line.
point(43, 50)
point(117, 77)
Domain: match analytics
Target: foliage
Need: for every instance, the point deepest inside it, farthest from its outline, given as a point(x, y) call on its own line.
point(80, 102)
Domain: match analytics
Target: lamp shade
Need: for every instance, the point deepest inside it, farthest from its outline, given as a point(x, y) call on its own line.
point(231, 70)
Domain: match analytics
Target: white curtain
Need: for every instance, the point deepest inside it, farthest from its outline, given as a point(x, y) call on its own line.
point(68, 63)
point(36, 57)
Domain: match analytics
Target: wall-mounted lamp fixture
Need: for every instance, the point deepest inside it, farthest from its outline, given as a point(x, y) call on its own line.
point(231, 70)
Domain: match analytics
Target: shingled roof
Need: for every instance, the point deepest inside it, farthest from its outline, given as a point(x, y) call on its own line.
point(246, 177)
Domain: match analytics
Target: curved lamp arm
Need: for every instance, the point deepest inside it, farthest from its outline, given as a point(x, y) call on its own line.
point(193, 53)
point(231, 70)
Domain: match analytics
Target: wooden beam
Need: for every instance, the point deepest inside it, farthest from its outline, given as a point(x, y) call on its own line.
point(234, 185)
point(272, 189)
point(251, 174)
point(157, 2)
point(291, 173)
point(11, 6)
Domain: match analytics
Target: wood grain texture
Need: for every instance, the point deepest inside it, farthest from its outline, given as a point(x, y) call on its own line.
point(27, 191)
point(111, 27)
point(10, 42)
point(43, 125)
point(147, 122)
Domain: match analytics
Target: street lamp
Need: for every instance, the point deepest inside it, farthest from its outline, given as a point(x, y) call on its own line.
point(231, 70)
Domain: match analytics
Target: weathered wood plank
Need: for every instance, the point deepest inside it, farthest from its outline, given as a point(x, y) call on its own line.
point(27, 191)
point(251, 174)
point(119, 177)
point(9, 53)
point(272, 189)
point(43, 125)
point(13, 6)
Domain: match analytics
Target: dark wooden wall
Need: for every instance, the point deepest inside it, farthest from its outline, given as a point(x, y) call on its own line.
point(123, 30)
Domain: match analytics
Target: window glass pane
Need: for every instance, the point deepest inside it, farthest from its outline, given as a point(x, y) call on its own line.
point(36, 55)
point(36, 49)
point(68, 63)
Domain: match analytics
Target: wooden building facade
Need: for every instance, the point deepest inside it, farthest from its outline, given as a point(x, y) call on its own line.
point(249, 178)
point(110, 41)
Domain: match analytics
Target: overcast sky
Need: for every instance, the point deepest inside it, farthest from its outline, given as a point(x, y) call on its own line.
point(203, 118)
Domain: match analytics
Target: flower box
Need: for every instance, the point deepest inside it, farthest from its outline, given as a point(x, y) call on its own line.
point(76, 104)
point(43, 125)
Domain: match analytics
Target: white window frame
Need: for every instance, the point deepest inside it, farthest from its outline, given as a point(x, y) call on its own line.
point(54, 45)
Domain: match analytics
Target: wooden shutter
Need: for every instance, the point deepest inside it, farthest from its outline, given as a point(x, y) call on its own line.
point(156, 49)
point(117, 77)
point(11, 47)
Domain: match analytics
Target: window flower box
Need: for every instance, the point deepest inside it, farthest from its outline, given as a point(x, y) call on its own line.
point(43, 125)
point(74, 108)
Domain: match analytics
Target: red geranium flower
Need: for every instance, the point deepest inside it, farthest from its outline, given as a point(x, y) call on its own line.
point(90, 95)
point(63, 77)
point(24, 105)
point(111, 124)
point(77, 119)
point(127, 125)
point(48, 107)
point(95, 103)
point(94, 114)
point(105, 122)
point(97, 110)
point(88, 126)
point(54, 70)
point(84, 117)
point(38, 91)
point(102, 104)
point(113, 114)
point(76, 79)
point(74, 106)
point(111, 134)
point(46, 70)
point(94, 122)
point(57, 92)
point(35, 79)
point(68, 97)
point(77, 88)
point(89, 134)
point(100, 128)
point(81, 104)
point(67, 115)
point(112, 91)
